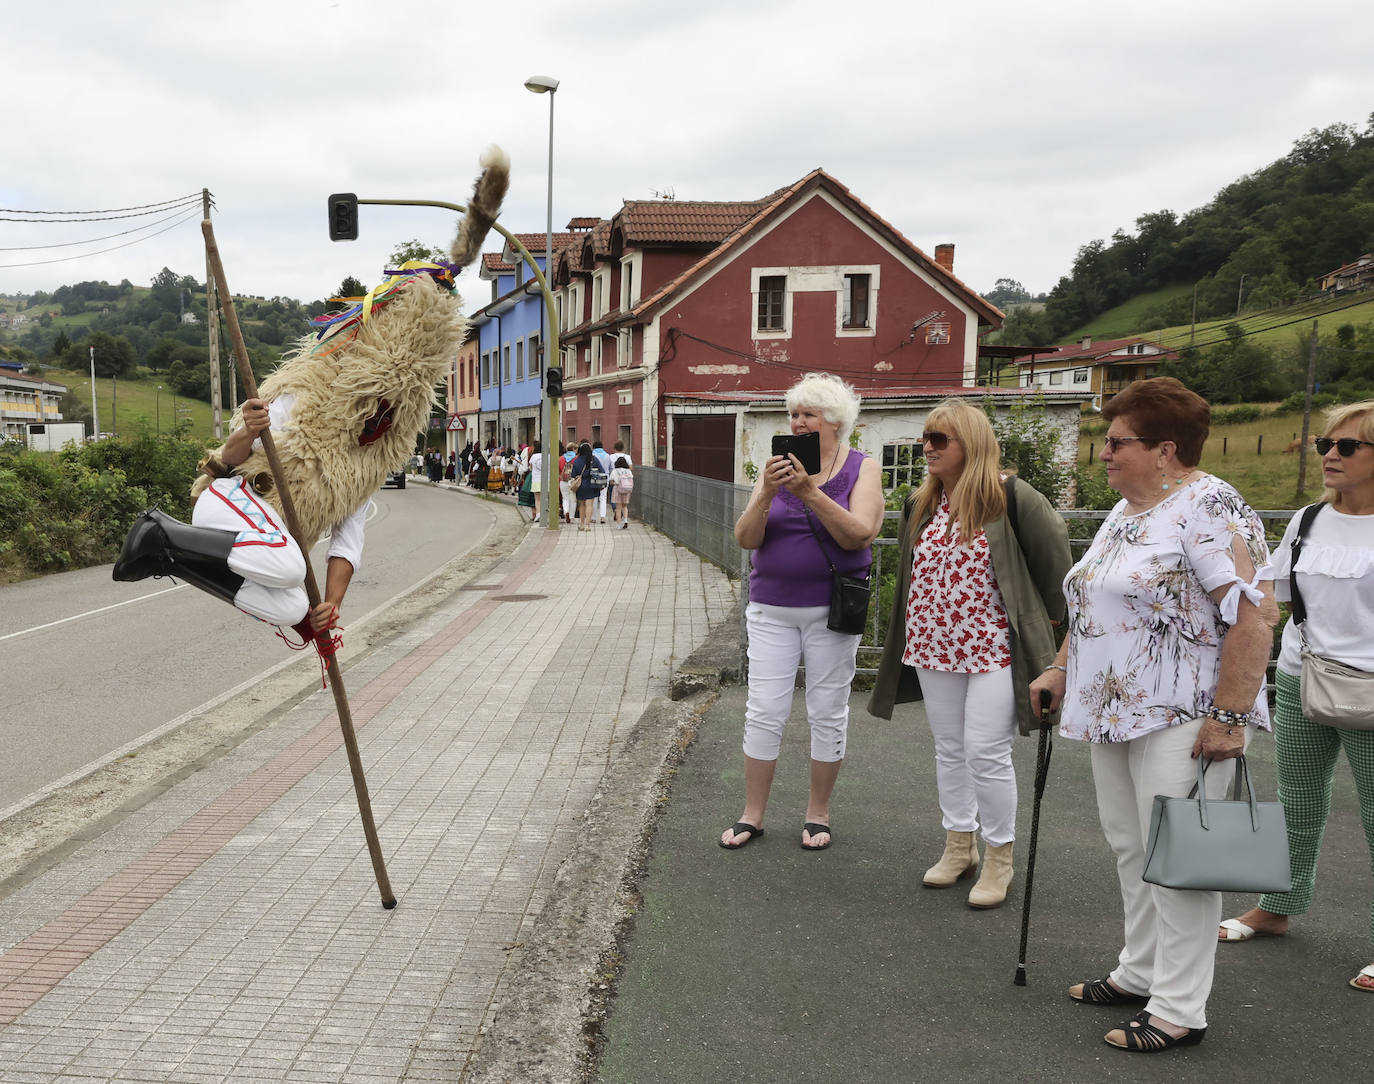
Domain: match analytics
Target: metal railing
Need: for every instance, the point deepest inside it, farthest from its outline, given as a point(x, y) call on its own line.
point(700, 513)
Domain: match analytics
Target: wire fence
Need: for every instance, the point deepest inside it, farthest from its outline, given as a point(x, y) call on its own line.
point(700, 513)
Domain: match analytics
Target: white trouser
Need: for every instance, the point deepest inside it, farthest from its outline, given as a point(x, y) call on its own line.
point(1171, 934)
point(973, 721)
point(779, 638)
point(569, 491)
point(264, 553)
point(601, 503)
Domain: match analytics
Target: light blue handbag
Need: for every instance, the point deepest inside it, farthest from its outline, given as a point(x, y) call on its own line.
point(1217, 845)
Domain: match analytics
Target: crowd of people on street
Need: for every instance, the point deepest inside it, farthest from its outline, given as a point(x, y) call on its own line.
point(592, 482)
point(1151, 648)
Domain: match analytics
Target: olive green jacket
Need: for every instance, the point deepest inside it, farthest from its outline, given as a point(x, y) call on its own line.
point(1030, 576)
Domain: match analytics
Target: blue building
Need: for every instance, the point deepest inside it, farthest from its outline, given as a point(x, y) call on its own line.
point(511, 331)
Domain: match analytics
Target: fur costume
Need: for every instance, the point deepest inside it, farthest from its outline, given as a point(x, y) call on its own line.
point(346, 404)
point(381, 359)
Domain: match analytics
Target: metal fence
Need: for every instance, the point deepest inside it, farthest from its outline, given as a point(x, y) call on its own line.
point(700, 513)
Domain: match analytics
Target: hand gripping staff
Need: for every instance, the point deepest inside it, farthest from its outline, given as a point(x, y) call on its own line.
point(312, 589)
point(1042, 771)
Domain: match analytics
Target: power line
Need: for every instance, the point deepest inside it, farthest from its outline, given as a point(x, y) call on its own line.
point(104, 211)
point(113, 248)
point(92, 240)
point(97, 218)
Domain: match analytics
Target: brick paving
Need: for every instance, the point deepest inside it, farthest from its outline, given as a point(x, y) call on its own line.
point(231, 928)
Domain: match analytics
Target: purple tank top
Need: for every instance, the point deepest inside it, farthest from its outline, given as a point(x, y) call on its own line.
point(789, 568)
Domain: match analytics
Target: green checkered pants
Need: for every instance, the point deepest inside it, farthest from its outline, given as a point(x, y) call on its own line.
point(1306, 754)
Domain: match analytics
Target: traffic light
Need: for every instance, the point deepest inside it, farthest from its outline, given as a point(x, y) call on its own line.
point(343, 217)
point(553, 382)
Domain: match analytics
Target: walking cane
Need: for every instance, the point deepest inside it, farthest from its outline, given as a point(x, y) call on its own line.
point(1042, 770)
point(312, 590)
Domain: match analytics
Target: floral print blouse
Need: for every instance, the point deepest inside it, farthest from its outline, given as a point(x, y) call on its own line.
point(1144, 632)
point(955, 618)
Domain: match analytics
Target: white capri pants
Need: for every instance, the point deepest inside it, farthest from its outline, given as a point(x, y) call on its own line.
point(264, 553)
point(973, 721)
point(1171, 934)
point(780, 637)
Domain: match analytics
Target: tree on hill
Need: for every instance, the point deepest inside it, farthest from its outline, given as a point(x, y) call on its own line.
point(414, 250)
point(1266, 237)
point(1007, 292)
point(114, 356)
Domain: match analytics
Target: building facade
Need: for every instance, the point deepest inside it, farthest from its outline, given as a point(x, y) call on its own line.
point(25, 400)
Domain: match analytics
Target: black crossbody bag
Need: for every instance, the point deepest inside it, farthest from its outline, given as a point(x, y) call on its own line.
point(848, 594)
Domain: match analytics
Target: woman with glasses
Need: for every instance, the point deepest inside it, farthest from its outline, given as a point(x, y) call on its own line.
point(1171, 617)
point(1336, 580)
point(800, 526)
point(978, 590)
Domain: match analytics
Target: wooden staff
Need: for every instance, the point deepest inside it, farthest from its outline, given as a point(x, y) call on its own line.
point(312, 590)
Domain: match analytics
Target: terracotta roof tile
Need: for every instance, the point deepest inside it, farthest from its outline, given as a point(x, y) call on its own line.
point(582, 224)
point(492, 261)
point(649, 222)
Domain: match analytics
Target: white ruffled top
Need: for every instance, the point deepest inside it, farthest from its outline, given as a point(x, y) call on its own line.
point(1336, 578)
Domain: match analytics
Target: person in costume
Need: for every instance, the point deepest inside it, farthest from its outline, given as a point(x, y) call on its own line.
point(343, 407)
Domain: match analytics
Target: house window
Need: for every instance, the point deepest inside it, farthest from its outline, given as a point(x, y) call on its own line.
point(596, 431)
point(1080, 376)
point(625, 437)
point(1057, 377)
point(903, 465)
point(596, 297)
point(486, 370)
point(856, 301)
point(536, 357)
point(594, 365)
point(505, 368)
point(520, 360)
point(627, 279)
point(622, 350)
point(772, 294)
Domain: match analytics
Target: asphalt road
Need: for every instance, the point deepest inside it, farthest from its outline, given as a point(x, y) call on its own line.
point(88, 665)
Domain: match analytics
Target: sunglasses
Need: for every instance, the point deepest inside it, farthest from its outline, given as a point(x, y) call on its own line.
point(1345, 447)
point(1114, 443)
point(938, 441)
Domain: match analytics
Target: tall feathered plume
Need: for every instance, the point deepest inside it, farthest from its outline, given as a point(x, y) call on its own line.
point(484, 206)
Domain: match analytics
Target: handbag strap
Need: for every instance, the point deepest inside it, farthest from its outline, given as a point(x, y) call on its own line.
point(807, 513)
point(1304, 525)
point(1242, 778)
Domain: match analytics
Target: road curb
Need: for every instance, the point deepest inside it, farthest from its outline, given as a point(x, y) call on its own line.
point(548, 1025)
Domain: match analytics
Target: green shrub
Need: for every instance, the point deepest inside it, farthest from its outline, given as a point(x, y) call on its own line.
point(1246, 412)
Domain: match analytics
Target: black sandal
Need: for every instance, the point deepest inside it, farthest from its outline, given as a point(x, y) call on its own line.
point(1102, 992)
point(814, 829)
point(738, 830)
point(1144, 1038)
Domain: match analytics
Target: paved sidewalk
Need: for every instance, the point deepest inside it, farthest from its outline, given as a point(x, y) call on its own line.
point(774, 966)
point(231, 930)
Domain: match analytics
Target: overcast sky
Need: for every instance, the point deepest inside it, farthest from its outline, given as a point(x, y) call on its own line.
point(1016, 131)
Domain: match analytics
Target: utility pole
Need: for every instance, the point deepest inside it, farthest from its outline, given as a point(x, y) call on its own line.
point(212, 318)
point(1239, 290)
point(1192, 331)
point(95, 410)
point(1307, 412)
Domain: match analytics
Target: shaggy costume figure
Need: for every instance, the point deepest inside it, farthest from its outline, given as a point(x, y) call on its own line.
point(344, 408)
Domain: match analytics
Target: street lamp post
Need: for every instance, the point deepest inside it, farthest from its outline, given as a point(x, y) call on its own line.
point(157, 406)
point(546, 84)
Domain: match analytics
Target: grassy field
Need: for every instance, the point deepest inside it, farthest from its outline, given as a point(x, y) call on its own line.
point(1265, 476)
point(138, 400)
point(1127, 318)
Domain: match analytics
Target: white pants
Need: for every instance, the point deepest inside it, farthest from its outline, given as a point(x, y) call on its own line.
point(264, 553)
point(1171, 934)
point(601, 502)
point(973, 721)
point(779, 638)
point(569, 491)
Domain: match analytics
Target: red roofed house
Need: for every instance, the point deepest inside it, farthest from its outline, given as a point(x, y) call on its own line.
point(685, 322)
point(1099, 368)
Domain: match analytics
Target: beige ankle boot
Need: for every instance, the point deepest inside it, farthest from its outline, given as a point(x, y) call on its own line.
point(959, 860)
point(992, 885)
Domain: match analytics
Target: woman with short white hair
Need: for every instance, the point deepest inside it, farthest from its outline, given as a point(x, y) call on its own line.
point(799, 526)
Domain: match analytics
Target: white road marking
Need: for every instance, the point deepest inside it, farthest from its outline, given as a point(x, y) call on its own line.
point(90, 613)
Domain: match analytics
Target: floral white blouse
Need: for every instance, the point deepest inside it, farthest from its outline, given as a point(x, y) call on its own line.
point(1144, 632)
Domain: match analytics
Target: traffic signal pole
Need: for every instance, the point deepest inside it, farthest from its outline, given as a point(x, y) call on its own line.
point(343, 226)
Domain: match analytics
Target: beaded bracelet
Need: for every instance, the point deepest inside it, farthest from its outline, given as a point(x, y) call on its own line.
point(1229, 718)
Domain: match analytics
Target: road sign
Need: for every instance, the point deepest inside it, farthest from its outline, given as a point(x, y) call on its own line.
point(455, 424)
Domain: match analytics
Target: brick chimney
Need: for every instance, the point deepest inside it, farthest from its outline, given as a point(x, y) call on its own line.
point(1087, 342)
point(944, 256)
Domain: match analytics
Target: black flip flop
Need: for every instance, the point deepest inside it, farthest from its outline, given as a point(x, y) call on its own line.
point(739, 829)
point(812, 829)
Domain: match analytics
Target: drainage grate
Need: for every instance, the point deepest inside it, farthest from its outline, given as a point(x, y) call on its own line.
point(517, 598)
